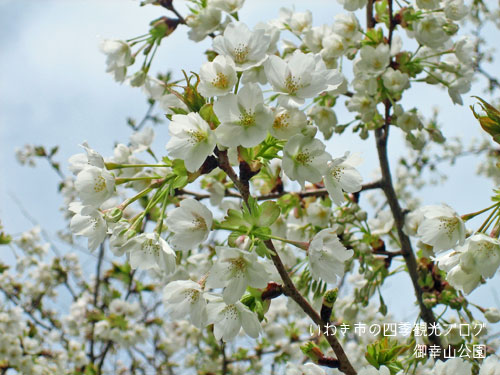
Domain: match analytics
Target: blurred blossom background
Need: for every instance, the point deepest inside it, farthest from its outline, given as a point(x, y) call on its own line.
point(54, 91)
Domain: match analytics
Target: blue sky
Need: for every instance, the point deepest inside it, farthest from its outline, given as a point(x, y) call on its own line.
point(54, 91)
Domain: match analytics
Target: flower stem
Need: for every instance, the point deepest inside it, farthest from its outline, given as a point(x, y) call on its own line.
point(474, 214)
point(111, 166)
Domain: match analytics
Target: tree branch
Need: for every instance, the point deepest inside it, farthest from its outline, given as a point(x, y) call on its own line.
point(381, 137)
point(319, 192)
point(426, 313)
point(289, 288)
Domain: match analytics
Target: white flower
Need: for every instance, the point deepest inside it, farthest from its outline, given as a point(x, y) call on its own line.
point(453, 366)
point(455, 275)
point(412, 222)
point(245, 120)
point(304, 158)
point(327, 256)
point(236, 269)
point(142, 140)
point(88, 222)
point(363, 104)
point(307, 369)
point(408, 121)
point(190, 223)
point(78, 162)
point(118, 237)
point(382, 223)
point(185, 297)
point(94, 185)
point(228, 319)
point(352, 5)
point(191, 140)
point(441, 228)
point(395, 81)
point(169, 101)
point(119, 56)
point(490, 366)
point(296, 22)
point(313, 38)
point(342, 176)
point(372, 60)
point(324, 118)
point(217, 78)
point(429, 31)
point(121, 154)
point(228, 6)
point(247, 48)
point(203, 23)
point(465, 50)
point(460, 86)
point(153, 87)
point(480, 253)
point(478, 257)
point(301, 76)
point(455, 9)
point(287, 122)
point(365, 85)
point(333, 46)
point(347, 26)
point(299, 22)
point(492, 315)
point(274, 35)
point(148, 250)
point(318, 214)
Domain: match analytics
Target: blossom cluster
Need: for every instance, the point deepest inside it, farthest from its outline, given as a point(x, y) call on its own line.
point(249, 222)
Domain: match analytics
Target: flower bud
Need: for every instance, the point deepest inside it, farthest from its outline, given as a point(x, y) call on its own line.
point(492, 315)
point(309, 131)
point(450, 28)
point(329, 299)
point(361, 215)
point(114, 215)
point(312, 351)
point(130, 233)
point(138, 78)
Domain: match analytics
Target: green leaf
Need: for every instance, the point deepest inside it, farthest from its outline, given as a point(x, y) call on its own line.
point(235, 219)
point(90, 369)
point(178, 111)
point(262, 250)
point(269, 212)
point(53, 150)
point(178, 167)
point(208, 114)
point(383, 307)
point(5, 238)
point(180, 181)
point(117, 321)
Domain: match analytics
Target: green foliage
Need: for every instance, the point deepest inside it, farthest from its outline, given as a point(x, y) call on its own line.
point(208, 114)
point(491, 122)
point(385, 352)
point(253, 218)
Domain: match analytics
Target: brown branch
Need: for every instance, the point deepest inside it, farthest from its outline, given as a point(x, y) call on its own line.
point(320, 192)
point(168, 4)
point(426, 313)
point(291, 291)
point(289, 288)
point(225, 362)
point(225, 165)
point(381, 137)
